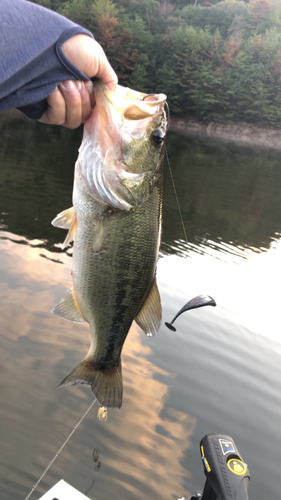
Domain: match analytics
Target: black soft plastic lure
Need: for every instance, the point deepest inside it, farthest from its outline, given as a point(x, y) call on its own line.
point(199, 301)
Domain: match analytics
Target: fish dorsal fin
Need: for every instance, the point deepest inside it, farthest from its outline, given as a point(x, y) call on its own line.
point(64, 219)
point(150, 315)
point(69, 309)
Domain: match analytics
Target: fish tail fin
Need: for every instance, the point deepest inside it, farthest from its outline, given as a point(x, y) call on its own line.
point(106, 384)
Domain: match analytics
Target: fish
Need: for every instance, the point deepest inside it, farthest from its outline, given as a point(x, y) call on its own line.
point(115, 224)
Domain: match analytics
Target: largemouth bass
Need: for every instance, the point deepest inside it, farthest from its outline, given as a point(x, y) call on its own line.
point(115, 223)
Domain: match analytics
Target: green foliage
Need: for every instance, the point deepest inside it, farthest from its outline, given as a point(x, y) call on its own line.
point(76, 10)
point(218, 17)
point(50, 4)
point(219, 60)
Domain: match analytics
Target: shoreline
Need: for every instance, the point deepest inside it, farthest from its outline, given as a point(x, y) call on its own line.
point(243, 134)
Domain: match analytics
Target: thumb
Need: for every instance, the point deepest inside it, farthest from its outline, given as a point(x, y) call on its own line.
point(89, 57)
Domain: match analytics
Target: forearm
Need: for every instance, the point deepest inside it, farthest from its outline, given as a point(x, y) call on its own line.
point(32, 63)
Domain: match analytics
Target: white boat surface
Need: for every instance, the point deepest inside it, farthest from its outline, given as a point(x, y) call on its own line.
point(63, 491)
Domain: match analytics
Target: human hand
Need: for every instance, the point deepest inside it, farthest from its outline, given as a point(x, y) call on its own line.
point(71, 103)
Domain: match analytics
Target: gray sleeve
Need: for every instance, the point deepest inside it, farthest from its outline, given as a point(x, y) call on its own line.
point(32, 63)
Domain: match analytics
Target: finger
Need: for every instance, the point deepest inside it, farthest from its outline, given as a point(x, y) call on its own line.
point(105, 72)
point(88, 56)
point(85, 101)
point(55, 113)
point(73, 104)
point(90, 89)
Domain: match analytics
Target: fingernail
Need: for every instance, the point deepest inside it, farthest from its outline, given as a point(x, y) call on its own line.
point(89, 86)
point(68, 84)
point(78, 85)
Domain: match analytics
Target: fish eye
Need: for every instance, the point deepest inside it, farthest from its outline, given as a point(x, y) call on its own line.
point(158, 137)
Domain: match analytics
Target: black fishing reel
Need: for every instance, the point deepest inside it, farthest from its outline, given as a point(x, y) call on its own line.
point(227, 475)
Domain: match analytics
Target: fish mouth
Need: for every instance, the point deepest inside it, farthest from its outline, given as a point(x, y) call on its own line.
point(143, 105)
point(130, 104)
point(124, 115)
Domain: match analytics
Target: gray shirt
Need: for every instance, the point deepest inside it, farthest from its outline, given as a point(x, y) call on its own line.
point(32, 62)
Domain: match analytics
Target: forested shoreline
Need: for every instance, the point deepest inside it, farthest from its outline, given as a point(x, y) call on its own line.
point(217, 61)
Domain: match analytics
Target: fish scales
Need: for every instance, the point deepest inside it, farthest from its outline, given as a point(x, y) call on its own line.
point(115, 223)
point(117, 277)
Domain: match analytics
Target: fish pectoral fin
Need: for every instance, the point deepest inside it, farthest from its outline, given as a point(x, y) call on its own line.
point(71, 233)
point(106, 384)
point(67, 220)
point(150, 315)
point(64, 219)
point(68, 309)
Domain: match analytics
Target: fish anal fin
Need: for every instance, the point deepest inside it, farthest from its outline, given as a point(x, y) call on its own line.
point(68, 308)
point(150, 315)
point(71, 233)
point(106, 384)
point(64, 219)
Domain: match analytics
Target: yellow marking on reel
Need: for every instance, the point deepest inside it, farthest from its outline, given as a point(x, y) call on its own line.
point(237, 466)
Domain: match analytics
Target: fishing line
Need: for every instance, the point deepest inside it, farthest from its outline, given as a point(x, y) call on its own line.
point(175, 191)
point(61, 448)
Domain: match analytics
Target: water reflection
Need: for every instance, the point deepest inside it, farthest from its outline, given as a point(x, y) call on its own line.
point(227, 195)
point(97, 462)
point(143, 444)
point(36, 175)
point(244, 286)
point(220, 372)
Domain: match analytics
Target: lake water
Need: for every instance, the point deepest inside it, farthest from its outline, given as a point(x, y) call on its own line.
point(220, 372)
